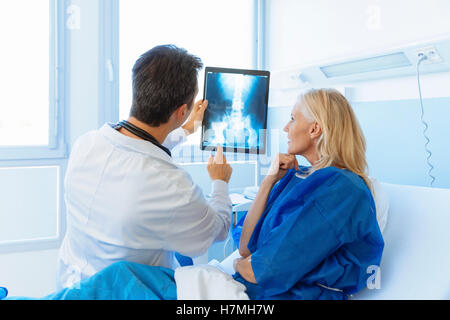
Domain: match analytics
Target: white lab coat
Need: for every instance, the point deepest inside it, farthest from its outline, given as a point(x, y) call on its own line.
point(127, 200)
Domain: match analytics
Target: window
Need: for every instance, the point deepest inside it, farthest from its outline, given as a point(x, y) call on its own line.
point(32, 143)
point(221, 33)
point(28, 60)
point(24, 64)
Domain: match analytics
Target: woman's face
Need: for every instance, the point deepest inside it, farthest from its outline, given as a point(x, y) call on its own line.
point(300, 133)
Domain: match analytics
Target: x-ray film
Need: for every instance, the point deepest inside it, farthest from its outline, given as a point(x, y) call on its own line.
point(236, 117)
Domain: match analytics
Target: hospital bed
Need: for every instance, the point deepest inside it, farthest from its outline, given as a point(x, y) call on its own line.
point(416, 258)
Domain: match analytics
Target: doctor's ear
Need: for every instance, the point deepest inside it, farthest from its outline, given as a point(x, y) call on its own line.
point(181, 112)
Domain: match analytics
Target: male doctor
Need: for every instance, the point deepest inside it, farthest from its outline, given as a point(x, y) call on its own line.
point(126, 199)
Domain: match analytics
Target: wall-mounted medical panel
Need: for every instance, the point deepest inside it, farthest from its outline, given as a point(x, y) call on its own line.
point(383, 64)
point(29, 204)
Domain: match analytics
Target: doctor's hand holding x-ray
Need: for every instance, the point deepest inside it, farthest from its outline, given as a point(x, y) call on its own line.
point(196, 117)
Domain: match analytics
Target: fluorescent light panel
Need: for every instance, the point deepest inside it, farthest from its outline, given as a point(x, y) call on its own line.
point(390, 61)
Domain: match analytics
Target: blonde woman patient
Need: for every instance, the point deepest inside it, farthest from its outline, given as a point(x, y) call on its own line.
point(312, 232)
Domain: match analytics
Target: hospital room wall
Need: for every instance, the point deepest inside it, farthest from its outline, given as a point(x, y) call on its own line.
point(395, 144)
point(304, 32)
point(389, 109)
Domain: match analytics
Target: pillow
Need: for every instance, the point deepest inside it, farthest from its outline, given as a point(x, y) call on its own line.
point(381, 203)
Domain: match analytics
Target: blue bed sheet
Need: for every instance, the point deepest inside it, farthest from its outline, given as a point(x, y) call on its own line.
point(121, 281)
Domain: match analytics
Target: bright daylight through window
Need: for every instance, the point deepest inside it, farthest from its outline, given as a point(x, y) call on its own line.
point(219, 32)
point(24, 76)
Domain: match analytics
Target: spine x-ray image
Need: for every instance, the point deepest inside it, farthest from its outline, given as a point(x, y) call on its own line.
point(237, 110)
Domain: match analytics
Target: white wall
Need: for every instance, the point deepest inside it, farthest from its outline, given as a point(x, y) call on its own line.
point(29, 274)
point(303, 31)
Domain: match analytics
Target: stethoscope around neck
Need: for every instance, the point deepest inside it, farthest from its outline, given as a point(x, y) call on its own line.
point(141, 134)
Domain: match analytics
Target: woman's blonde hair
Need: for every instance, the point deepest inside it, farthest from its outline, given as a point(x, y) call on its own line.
point(342, 143)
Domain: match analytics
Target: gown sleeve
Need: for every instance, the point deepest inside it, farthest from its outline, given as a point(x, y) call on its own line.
point(312, 231)
point(278, 188)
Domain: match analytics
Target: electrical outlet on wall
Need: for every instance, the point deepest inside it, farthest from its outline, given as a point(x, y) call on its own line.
point(431, 53)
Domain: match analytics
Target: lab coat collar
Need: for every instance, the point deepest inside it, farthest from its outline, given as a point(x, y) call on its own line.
point(141, 146)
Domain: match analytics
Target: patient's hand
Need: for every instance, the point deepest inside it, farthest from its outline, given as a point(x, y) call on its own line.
point(280, 166)
point(244, 267)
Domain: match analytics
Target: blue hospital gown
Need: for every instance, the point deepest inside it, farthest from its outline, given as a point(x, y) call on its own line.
point(321, 229)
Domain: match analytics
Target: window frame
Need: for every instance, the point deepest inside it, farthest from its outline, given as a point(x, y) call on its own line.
point(109, 61)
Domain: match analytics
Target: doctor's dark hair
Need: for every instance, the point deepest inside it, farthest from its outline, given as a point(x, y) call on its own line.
point(164, 78)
